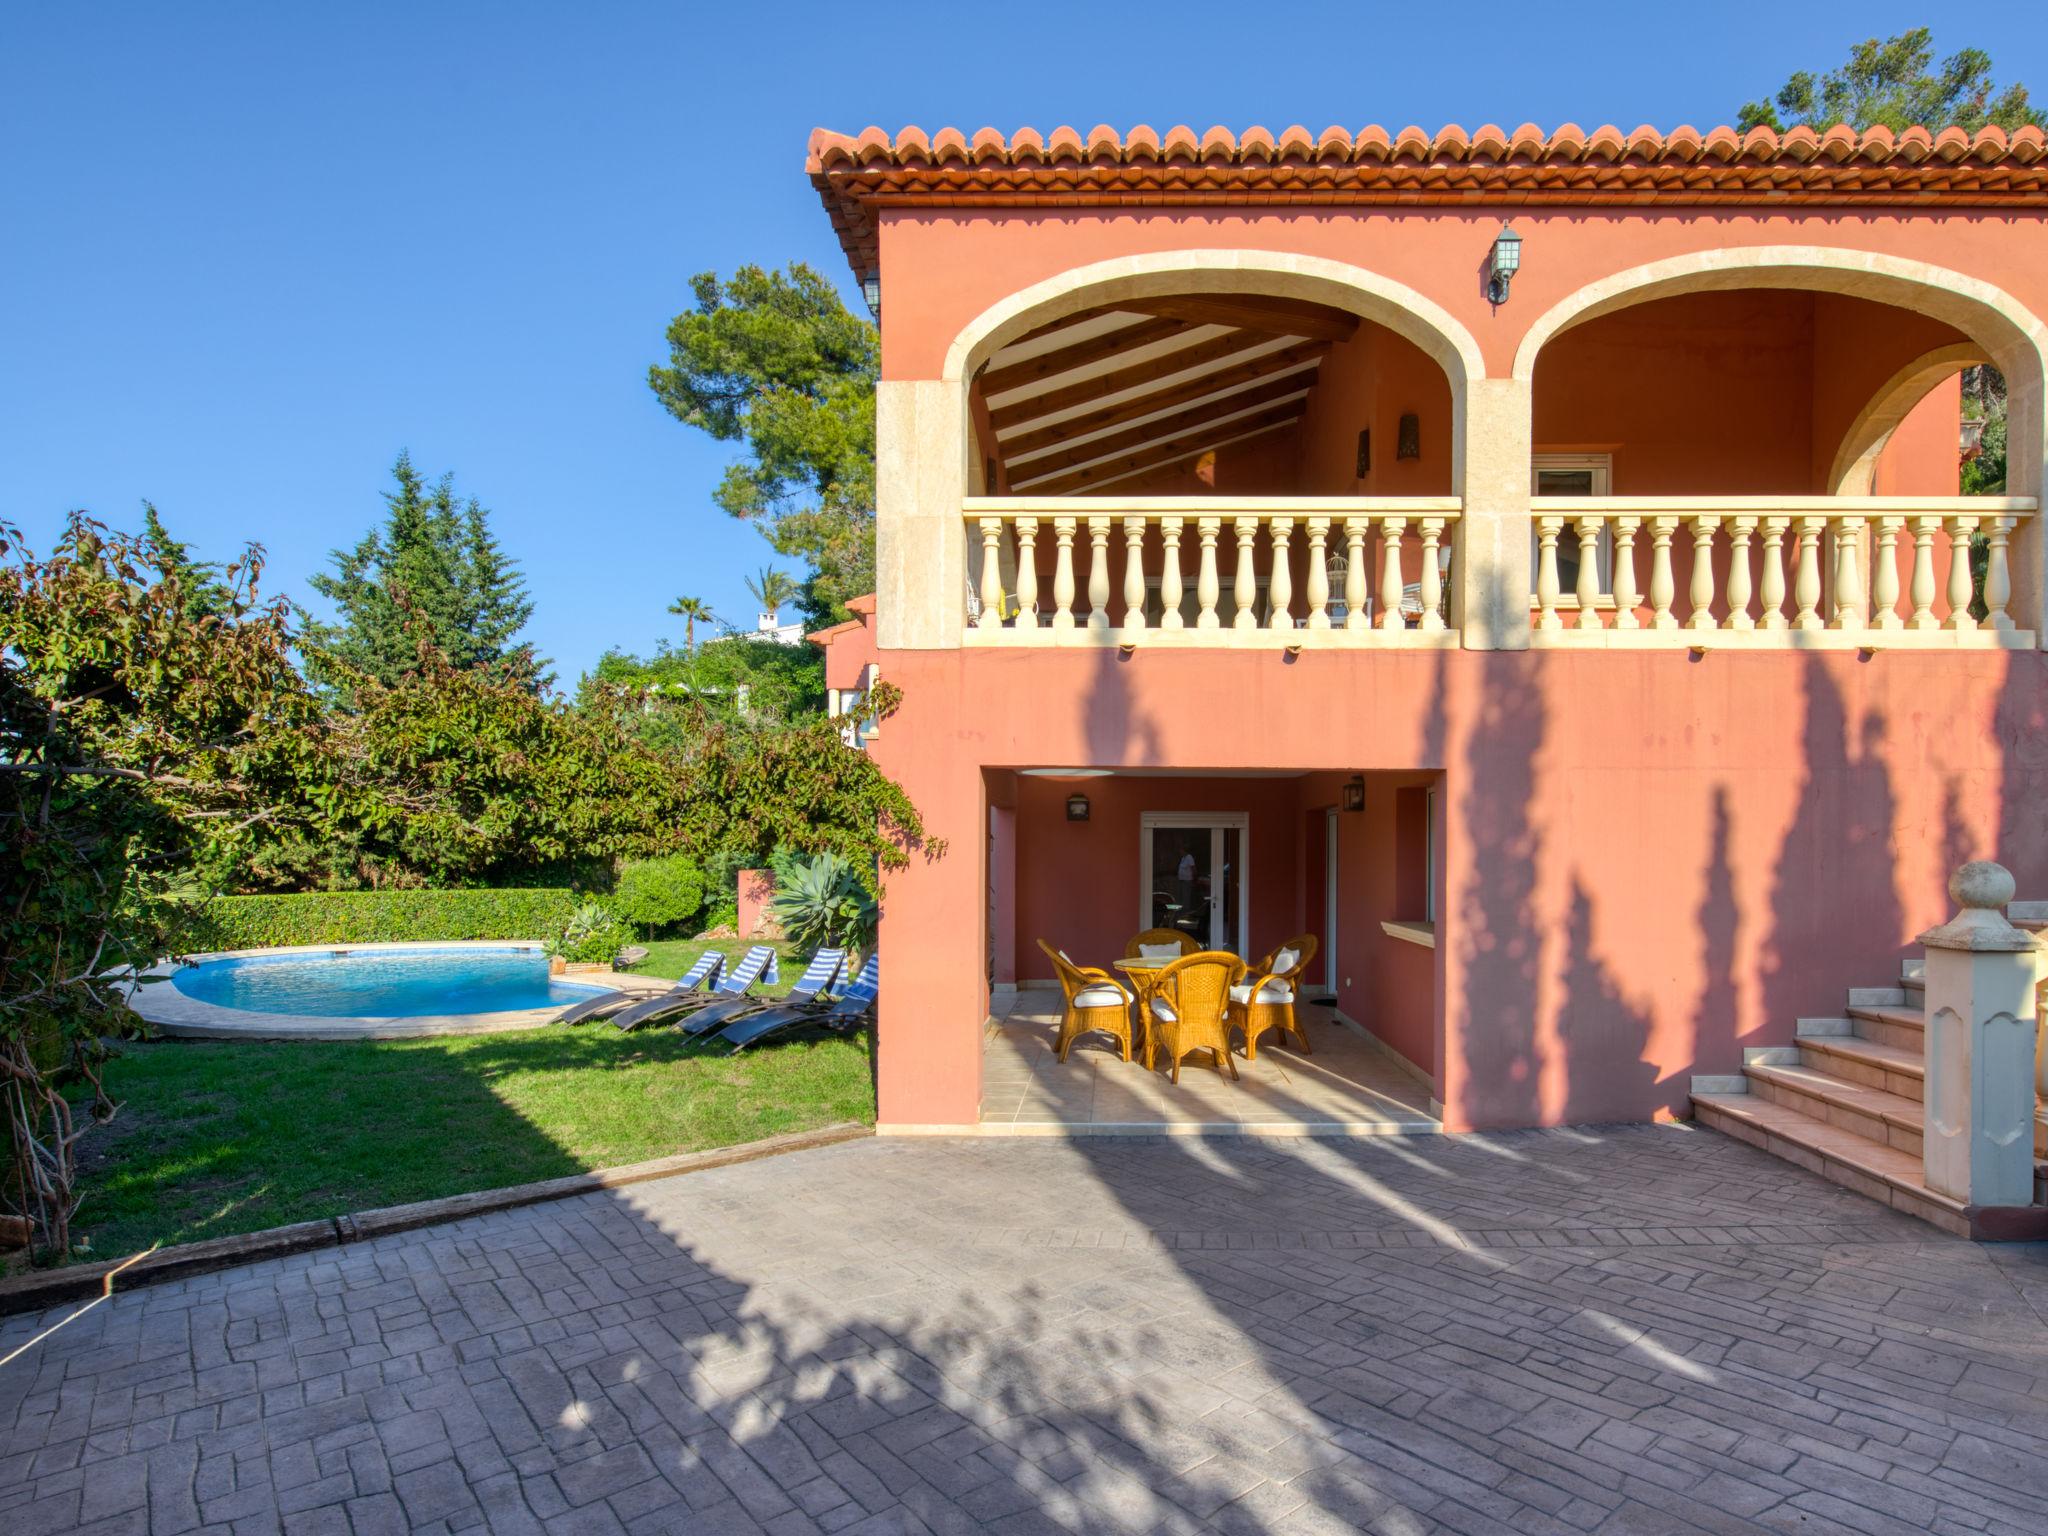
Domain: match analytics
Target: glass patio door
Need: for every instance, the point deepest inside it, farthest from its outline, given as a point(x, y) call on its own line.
point(1195, 877)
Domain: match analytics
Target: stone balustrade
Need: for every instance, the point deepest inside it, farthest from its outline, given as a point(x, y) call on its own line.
point(1775, 571)
point(1222, 571)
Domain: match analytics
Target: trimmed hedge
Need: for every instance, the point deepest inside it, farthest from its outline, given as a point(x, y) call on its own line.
point(373, 917)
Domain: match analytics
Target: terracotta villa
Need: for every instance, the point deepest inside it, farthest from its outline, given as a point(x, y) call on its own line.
point(1530, 565)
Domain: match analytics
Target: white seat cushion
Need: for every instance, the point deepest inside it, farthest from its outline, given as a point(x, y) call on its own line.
point(1283, 960)
point(1102, 994)
point(1164, 1009)
point(1271, 992)
point(1159, 951)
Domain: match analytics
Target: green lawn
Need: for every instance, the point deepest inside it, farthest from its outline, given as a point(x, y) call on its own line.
point(672, 957)
point(215, 1138)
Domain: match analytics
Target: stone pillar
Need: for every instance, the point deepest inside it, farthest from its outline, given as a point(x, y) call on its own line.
point(921, 459)
point(1492, 579)
point(1980, 1046)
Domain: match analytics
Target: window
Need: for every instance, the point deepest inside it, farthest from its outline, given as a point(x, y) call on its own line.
point(1572, 474)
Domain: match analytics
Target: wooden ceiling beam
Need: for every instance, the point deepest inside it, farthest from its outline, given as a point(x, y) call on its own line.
point(1215, 350)
point(1080, 354)
point(1250, 312)
point(1069, 322)
point(1288, 360)
point(1169, 451)
point(1138, 438)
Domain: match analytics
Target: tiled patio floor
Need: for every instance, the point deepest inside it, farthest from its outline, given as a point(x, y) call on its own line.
point(1350, 1086)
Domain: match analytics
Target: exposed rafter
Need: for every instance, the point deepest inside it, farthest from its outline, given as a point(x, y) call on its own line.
point(1169, 451)
point(1137, 439)
point(1243, 375)
point(1050, 402)
point(1253, 312)
point(999, 380)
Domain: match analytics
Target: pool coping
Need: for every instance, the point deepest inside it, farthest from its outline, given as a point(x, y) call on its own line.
point(174, 1014)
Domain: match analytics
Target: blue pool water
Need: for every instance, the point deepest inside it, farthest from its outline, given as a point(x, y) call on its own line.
point(382, 984)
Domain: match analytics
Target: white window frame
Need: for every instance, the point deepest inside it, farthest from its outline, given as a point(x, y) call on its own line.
point(1216, 823)
point(1600, 468)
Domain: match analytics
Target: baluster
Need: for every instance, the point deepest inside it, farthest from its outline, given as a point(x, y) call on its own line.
point(1318, 573)
point(1354, 572)
point(991, 574)
point(1280, 589)
point(1806, 581)
point(1740, 529)
point(1390, 571)
point(1922, 589)
point(1662, 587)
point(1701, 593)
point(1959, 583)
point(1884, 573)
point(1772, 590)
point(1432, 574)
point(1851, 613)
point(1169, 575)
point(1244, 590)
point(1134, 573)
point(1206, 588)
point(1998, 574)
point(1626, 595)
point(1027, 572)
point(1546, 572)
point(1098, 573)
point(1063, 574)
point(1589, 571)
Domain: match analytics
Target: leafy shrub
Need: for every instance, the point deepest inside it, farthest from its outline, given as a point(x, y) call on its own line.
point(654, 894)
point(820, 900)
point(591, 936)
point(367, 917)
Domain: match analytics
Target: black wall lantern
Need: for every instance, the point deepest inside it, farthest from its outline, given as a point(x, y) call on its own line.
point(1364, 452)
point(1408, 437)
point(1077, 807)
point(1354, 793)
point(871, 294)
point(1502, 264)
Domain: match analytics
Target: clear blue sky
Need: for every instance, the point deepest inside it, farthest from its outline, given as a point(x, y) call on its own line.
point(250, 251)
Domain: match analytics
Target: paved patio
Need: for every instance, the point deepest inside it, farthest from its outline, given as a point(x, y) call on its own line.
point(1648, 1329)
point(1351, 1085)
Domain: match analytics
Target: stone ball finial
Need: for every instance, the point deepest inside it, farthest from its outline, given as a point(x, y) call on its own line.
point(1981, 884)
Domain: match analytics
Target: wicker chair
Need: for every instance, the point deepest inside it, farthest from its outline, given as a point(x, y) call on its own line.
point(1094, 1000)
point(1187, 1002)
point(1185, 942)
point(1264, 1000)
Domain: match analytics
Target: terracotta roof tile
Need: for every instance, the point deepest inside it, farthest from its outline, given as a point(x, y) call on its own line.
point(855, 175)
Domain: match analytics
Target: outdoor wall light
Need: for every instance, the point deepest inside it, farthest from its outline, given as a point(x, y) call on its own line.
point(1077, 807)
point(871, 293)
point(1354, 793)
point(1503, 264)
point(1408, 437)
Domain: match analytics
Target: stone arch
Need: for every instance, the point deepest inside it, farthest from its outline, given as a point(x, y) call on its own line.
point(1856, 459)
point(1281, 274)
point(2010, 335)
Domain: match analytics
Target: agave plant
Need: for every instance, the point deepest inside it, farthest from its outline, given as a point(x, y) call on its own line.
point(592, 935)
point(819, 900)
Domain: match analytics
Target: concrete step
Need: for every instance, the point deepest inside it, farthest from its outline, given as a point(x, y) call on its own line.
point(1887, 1119)
point(1867, 1063)
point(1884, 1173)
point(1905, 1027)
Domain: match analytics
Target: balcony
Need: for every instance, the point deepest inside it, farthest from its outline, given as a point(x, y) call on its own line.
point(1252, 572)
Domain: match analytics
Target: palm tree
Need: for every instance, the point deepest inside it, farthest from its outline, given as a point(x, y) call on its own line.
point(771, 589)
point(690, 610)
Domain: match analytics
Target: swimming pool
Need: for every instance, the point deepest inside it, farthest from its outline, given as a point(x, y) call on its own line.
point(361, 992)
point(381, 983)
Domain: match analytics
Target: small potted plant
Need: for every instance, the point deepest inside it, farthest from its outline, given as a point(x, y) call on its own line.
point(589, 941)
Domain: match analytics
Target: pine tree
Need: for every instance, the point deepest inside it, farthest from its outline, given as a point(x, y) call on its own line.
point(432, 570)
point(205, 594)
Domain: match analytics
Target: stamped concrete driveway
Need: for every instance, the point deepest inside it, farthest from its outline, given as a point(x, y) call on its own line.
point(1647, 1329)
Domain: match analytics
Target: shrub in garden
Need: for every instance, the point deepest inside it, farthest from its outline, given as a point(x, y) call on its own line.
point(373, 917)
point(653, 894)
point(592, 936)
point(819, 899)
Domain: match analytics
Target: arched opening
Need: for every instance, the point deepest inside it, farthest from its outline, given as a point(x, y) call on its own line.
point(1767, 439)
point(1155, 391)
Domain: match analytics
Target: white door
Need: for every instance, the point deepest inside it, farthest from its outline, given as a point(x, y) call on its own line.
point(1196, 876)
